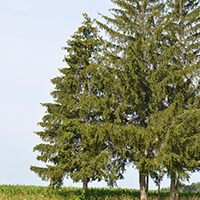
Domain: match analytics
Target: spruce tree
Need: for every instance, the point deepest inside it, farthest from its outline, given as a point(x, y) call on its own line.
point(134, 54)
point(75, 142)
point(180, 121)
point(154, 96)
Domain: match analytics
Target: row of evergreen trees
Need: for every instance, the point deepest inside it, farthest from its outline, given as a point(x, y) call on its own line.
point(131, 98)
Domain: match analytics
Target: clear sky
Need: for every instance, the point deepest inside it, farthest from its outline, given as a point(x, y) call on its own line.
point(32, 34)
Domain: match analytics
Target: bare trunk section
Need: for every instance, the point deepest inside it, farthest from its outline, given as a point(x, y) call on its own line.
point(159, 177)
point(177, 187)
point(142, 187)
point(172, 186)
point(85, 185)
point(147, 186)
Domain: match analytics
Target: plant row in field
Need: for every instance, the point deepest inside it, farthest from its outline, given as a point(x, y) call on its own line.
point(72, 192)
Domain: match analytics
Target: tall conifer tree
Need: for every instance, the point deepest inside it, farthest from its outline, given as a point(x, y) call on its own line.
point(180, 121)
point(153, 91)
point(75, 145)
point(133, 58)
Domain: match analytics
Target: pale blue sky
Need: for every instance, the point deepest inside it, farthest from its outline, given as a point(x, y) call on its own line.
point(32, 34)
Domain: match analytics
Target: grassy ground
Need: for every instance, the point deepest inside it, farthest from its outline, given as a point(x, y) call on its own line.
point(20, 192)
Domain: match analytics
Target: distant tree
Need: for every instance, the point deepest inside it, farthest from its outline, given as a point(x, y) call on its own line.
point(76, 145)
point(197, 186)
point(190, 188)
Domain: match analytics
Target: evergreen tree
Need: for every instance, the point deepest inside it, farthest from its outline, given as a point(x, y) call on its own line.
point(75, 143)
point(134, 55)
point(180, 121)
point(154, 64)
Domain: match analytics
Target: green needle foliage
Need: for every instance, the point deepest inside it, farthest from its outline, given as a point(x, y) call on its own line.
point(75, 144)
point(153, 60)
point(131, 99)
point(180, 120)
point(133, 59)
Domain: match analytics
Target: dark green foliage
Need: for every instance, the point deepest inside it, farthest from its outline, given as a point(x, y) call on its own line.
point(180, 120)
point(134, 57)
point(75, 141)
point(131, 99)
point(190, 188)
point(153, 55)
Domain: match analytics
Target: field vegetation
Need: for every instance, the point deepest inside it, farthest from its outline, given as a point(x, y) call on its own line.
point(21, 192)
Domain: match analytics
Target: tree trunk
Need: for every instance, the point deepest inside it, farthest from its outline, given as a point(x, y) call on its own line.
point(147, 186)
point(142, 187)
point(85, 185)
point(159, 177)
point(172, 186)
point(177, 187)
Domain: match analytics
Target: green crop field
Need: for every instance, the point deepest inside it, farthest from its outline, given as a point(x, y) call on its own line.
point(20, 192)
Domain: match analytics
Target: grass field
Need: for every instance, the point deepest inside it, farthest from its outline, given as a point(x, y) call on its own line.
point(20, 192)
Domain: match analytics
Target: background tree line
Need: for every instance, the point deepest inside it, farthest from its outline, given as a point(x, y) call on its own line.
point(194, 187)
point(132, 98)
